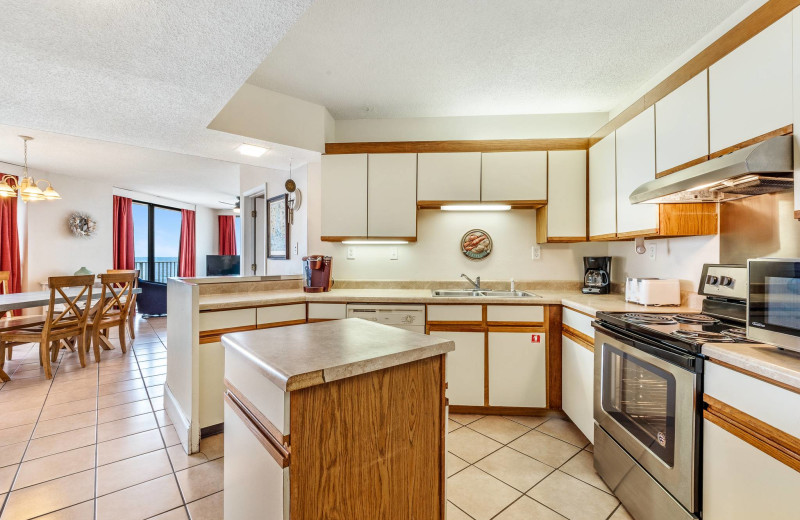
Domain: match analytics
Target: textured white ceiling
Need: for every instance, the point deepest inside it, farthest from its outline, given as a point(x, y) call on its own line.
point(150, 73)
point(418, 58)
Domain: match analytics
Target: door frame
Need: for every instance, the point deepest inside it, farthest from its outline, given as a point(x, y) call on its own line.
point(250, 202)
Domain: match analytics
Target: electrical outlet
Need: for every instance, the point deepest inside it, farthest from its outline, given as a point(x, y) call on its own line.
point(651, 251)
point(296, 248)
point(536, 252)
point(393, 253)
point(351, 253)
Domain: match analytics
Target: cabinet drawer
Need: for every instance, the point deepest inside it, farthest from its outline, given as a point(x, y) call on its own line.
point(460, 313)
point(268, 399)
point(327, 311)
point(578, 322)
point(217, 320)
point(280, 313)
point(767, 402)
point(515, 313)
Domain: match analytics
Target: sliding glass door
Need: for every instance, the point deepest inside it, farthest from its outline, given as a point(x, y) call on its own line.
point(157, 234)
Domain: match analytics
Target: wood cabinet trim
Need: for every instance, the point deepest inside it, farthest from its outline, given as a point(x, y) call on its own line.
point(505, 410)
point(518, 327)
point(639, 233)
point(280, 324)
point(486, 146)
point(446, 326)
point(274, 449)
point(300, 301)
point(515, 204)
point(603, 238)
point(213, 336)
point(553, 356)
point(341, 238)
point(573, 309)
point(755, 376)
point(273, 430)
point(788, 129)
point(578, 337)
point(766, 438)
point(688, 164)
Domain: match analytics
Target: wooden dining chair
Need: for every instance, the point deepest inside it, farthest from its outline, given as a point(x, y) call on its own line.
point(111, 310)
point(132, 310)
point(58, 324)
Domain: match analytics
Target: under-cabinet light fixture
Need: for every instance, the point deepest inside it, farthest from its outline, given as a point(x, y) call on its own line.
point(374, 242)
point(476, 207)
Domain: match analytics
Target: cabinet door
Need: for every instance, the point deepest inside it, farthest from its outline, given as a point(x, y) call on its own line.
point(517, 375)
point(750, 89)
point(392, 200)
point(577, 385)
point(682, 124)
point(566, 194)
point(464, 367)
point(514, 176)
point(449, 176)
point(603, 188)
point(344, 195)
point(636, 164)
point(741, 482)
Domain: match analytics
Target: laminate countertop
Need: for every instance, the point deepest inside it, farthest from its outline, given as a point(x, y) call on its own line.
point(301, 356)
point(765, 361)
point(586, 303)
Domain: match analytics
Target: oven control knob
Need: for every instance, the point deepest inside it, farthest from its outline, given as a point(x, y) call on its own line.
point(712, 280)
point(726, 281)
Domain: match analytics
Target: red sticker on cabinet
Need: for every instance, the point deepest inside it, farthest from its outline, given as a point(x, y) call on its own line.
point(536, 338)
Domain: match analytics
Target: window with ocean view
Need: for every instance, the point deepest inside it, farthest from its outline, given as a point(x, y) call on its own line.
point(156, 232)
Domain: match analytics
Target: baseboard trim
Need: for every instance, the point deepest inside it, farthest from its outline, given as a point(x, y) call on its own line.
point(214, 429)
point(182, 425)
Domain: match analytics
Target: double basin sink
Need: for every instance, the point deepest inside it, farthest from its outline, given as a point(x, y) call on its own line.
point(486, 293)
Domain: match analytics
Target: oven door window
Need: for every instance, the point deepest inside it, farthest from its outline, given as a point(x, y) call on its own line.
point(641, 398)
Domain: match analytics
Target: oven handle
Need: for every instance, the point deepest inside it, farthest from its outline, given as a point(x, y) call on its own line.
point(665, 352)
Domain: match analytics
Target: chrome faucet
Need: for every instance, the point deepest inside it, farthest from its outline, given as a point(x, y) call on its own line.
point(476, 283)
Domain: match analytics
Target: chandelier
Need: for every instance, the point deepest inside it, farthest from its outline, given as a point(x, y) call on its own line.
point(27, 188)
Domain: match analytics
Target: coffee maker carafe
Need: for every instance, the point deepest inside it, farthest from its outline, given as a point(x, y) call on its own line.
point(317, 273)
point(596, 275)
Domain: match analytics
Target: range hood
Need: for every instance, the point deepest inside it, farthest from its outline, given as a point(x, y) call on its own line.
point(765, 167)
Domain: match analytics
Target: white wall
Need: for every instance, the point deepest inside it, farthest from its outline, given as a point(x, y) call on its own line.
point(206, 236)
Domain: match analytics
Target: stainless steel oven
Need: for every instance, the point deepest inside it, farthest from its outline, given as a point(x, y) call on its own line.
point(647, 431)
point(773, 302)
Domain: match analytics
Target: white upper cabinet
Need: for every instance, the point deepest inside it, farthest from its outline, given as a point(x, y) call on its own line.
point(566, 194)
point(512, 176)
point(603, 188)
point(682, 124)
point(636, 164)
point(344, 195)
point(449, 176)
point(392, 200)
point(750, 89)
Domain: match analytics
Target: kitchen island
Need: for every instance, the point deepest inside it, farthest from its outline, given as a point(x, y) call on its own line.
point(338, 419)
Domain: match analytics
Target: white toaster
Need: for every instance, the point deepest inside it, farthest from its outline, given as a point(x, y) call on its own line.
point(653, 291)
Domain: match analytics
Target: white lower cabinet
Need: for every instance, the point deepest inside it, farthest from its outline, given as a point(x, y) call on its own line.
point(577, 385)
point(741, 482)
point(464, 368)
point(517, 369)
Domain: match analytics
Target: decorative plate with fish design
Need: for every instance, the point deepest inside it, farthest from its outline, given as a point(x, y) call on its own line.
point(476, 244)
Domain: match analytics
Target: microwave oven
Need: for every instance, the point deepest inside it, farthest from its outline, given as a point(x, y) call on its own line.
point(773, 302)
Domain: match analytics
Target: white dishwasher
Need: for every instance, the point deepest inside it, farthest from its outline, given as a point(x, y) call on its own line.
point(409, 317)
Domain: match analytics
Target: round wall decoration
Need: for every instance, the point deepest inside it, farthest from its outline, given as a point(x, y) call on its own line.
point(476, 244)
point(82, 225)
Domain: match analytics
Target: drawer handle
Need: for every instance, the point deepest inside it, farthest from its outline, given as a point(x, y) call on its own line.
point(278, 452)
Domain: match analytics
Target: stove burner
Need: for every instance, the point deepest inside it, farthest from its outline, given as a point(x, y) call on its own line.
point(695, 319)
point(737, 334)
point(701, 336)
point(647, 319)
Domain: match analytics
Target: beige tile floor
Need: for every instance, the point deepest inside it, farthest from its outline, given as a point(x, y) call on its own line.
point(95, 443)
point(515, 468)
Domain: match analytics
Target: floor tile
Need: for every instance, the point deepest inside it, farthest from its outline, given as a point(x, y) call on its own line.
point(64, 424)
point(515, 469)
point(201, 480)
point(544, 448)
point(573, 498)
point(526, 420)
point(6, 478)
point(480, 495)
point(170, 435)
point(12, 454)
point(128, 426)
point(471, 445)
point(20, 417)
point(179, 513)
point(69, 408)
point(454, 464)
point(15, 434)
point(49, 496)
point(61, 442)
point(564, 430)
point(122, 411)
point(120, 386)
point(528, 509)
point(129, 472)
point(119, 376)
point(155, 391)
point(162, 417)
point(180, 460)
point(27, 403)
point(208, 508)
point(141, 501)
point(129, 446)
point(621, 514)
point(452, 425)
point(104, 401)
point(213, 447)
point(462, 418)
point(69, 396)
point(454, 513)
point(55, 466)
point(82, 511)
point(581, 466)
point(500, 429)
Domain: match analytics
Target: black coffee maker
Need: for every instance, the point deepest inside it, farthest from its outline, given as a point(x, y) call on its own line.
point(596, 275)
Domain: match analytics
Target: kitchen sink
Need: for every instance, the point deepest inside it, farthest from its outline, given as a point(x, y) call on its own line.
point(464, 293)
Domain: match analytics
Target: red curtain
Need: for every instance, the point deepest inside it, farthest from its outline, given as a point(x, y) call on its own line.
point(9, 244)
point(227, 235)
point(123, 233)
point(186, 252)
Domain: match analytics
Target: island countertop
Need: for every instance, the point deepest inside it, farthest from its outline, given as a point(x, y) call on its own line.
point(301, 356)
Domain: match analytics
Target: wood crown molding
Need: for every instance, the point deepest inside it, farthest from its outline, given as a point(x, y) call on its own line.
point(486, 146)
point(760, 19)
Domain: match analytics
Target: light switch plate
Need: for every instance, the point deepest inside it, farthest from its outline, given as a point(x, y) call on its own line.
point(393, 253)
point(296, 248)
point(536, 252)
point(651, 251)
point(351, 253)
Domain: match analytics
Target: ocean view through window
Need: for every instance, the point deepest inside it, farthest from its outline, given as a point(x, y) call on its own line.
point(156, 232)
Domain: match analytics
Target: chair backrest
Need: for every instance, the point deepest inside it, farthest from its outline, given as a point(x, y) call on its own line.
point(117, 292)
point(5, 280)
point(72, 313)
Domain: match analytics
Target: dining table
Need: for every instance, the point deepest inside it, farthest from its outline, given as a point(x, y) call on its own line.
point(27, 300)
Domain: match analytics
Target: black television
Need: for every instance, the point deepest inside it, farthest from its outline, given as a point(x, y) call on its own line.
point(222, 265)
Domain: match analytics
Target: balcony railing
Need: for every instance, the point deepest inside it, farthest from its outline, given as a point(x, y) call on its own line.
point(162, 270)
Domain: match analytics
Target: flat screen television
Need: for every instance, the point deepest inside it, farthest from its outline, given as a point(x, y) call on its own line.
point(222, 265)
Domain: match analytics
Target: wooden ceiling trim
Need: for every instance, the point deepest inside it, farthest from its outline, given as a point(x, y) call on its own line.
point(491, 145)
